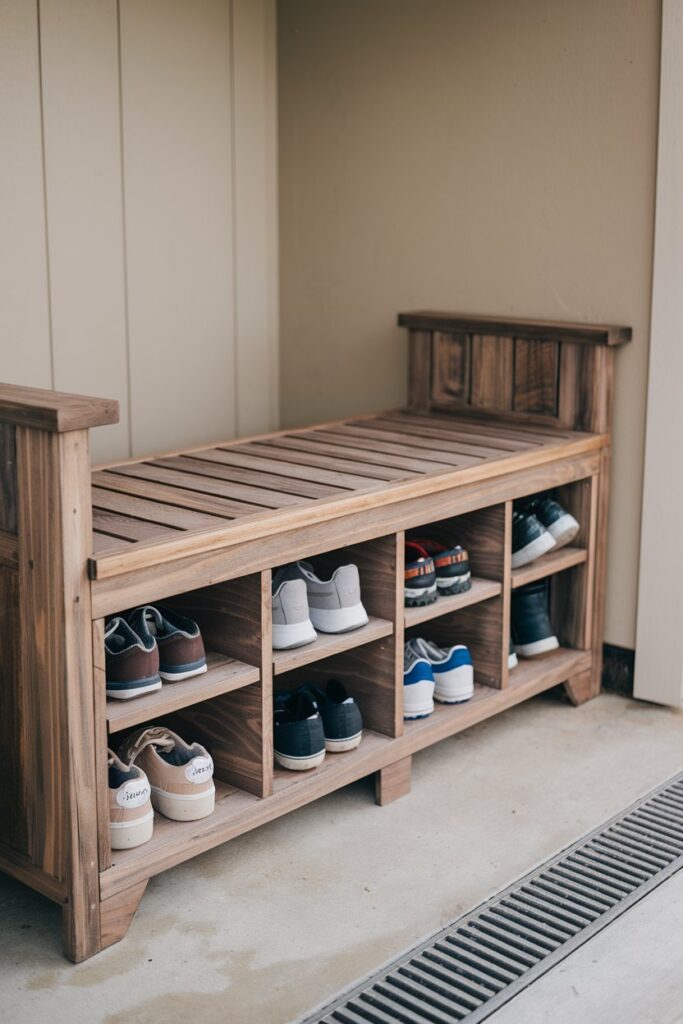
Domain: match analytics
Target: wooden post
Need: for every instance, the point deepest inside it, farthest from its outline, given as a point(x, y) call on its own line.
point(51, 709)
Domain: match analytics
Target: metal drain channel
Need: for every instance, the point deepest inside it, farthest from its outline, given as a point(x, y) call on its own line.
point(481, 960)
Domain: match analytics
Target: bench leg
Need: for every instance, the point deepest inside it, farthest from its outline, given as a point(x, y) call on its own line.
point(582, 687)
point(393, 781)
point(117, 912)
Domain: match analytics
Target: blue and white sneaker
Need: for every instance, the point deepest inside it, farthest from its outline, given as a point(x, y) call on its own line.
point(418, 685)
point(451, 667)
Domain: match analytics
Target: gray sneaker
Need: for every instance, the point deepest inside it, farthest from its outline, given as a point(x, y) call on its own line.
point(334, 605)
point(292, 626)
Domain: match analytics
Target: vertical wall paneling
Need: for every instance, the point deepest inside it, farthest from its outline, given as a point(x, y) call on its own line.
point(255, 198)
point(80, 80)
point(24, 304)
point(176, 108)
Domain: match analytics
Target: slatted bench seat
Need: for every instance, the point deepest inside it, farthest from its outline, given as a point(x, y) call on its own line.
point(497, 410)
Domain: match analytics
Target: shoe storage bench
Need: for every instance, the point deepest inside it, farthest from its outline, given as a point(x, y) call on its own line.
point(497, 410)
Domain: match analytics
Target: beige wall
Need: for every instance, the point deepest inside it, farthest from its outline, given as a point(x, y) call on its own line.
point(477, 155)
point(138, 234)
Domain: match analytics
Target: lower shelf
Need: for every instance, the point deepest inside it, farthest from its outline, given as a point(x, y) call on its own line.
point(237, 812)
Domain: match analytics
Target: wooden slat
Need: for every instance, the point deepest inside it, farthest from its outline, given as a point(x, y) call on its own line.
point(451, 368)
point(255, 477)
point(426, 448)
point(450, 432)
point(491, 372)
point(8, 479)
point(290, 464)
point(152, 511)
point(519, 430)
point(590, 334)
point(102, 543)
point(554, 561)
point(159, 472)
point(536, 365)
point(419, 370)
point(328, 644)
point(115, 480)
point(481, 590)
point(319, 452)
point(453, 442)
point(127, 528)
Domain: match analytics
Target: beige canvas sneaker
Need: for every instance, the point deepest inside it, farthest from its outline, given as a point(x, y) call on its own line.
point(131, 818)
point(180, 774)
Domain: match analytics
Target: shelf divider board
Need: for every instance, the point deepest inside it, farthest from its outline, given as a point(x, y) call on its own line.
point(236, 727)
point(101, 744)
point(238, 812)
point(223, 675)
point(481, 590)
point(547, 565)
point(329, 644)
point(571, 596)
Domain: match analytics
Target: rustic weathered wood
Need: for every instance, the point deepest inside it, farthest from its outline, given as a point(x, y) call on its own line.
point(590, 334)
point(117, 913)
point(393, 782)
point(8, 478)
point(54, 410)
point(526, 409)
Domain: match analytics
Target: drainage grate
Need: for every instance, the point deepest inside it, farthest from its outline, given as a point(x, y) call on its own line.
point(477, 963)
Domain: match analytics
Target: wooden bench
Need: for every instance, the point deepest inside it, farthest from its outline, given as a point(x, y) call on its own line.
point(497, 409)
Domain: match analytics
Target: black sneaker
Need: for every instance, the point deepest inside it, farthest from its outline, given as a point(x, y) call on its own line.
point(299, 739)
point(559, 523)
point(530, 539)
point(531, 630)
point(419, 576)
point(451, 564)
point(342, 720)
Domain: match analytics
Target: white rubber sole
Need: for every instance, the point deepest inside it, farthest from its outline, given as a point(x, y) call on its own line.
point(299, 764)
point(339, 746)
point(446, 582)
point(124, 835)
point(418, 699)
point(177, 677)
point(137, 692)
point(339, 620)
point(564, 530)
point(455, 686)
point(184, 806)
point(533, 550)
point(295, 634)
point(412, 592)
point(513, 661)
point(549, 643)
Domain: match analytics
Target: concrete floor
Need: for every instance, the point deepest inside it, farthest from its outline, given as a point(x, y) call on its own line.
point(265, 928)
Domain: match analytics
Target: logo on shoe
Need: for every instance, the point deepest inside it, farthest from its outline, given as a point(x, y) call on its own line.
point(199, 770)
point(133, 794)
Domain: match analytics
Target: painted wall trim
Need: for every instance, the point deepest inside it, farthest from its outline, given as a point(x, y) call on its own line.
point(659, 640)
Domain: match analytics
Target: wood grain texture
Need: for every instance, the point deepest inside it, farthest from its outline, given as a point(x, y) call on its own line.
point(14, 740)
point(393, 782)
point(8, 478)
point(581, 687)
point(480, 628)
point(54, 410)
point(555, 561)
point(589, 334)
point(492, 368)
point(328, 644)
point(117, 913)
point(451, 358)
point(419, 370)
point(536, 365)
point(101, 733)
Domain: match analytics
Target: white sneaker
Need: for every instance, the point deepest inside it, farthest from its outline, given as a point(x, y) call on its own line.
point(418, 685)
point(452, 668)
point(292, 626)
point(334, 605)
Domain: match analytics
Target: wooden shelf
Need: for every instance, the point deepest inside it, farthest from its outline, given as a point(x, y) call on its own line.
point(531, 676)
point(328, 644)
point(481, 590)
point(223, 674)
point(237, 812)
point(546, 565)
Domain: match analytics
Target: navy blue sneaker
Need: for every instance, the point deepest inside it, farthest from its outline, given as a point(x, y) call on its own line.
point(299, 737)
point(451, 667)
point(560, 524)
point(451, 565)
point(418, 685)
point(342, 720)
point(419, 576)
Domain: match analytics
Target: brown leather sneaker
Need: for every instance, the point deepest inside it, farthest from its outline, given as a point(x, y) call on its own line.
point(132, 663)
point(180, 774)
point(131, 818)
point(181, 648)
